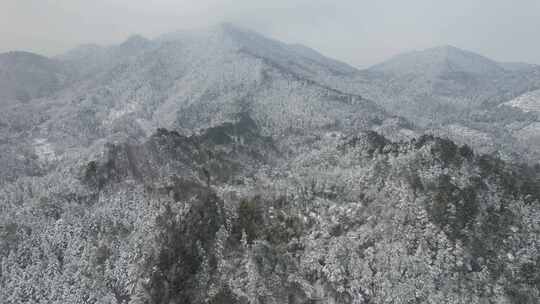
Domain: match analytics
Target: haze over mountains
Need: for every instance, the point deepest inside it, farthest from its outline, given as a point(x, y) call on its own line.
point(210, 70)
point(26, 76)
point(458, 74)
point(220, 166)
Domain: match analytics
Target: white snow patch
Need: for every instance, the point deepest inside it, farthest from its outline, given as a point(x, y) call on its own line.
point(117, 113)
point(528, 102)
point(44, 150)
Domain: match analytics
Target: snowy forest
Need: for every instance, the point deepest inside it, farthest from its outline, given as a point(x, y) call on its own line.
point(221, 166)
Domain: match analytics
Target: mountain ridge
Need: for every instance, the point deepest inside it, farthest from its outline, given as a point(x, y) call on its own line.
point(195, 83)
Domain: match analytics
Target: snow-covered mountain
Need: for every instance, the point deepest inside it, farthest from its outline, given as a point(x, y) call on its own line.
point(220, 166)
point(190, 80)
point(194, 79)
point(449, 79)
point(91, 59)
point(448, 90)
point(439, 61)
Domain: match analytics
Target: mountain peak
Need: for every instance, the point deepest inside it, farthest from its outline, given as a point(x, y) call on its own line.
point(447, 48)
point(439, 60)
point(229, 37)
point(23, 55)
point(451, 52)
point(231, 27)
point(135, 41)
point(219, 30)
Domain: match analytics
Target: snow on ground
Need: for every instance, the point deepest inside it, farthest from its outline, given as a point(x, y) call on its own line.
point(528, 102)
point(530, 132)
point(44, 150)
point(465, 135)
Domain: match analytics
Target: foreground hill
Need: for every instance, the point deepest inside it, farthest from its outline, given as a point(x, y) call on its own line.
point(213, 219)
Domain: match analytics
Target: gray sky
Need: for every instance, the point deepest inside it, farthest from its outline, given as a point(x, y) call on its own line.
point(359, 32)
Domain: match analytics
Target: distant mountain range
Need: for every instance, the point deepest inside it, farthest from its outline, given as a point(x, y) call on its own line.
point(176, 80)
point(465, 78)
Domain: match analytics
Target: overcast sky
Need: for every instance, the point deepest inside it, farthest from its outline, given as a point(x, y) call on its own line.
point(359, 32)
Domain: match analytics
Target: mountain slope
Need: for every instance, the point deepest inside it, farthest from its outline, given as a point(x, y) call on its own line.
point(24, 76)
point(299, 59)
point(187, 81)
point(358, 220)
point(528, 102)
point(90, 59)
point(450, 79)
point(455, 93)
